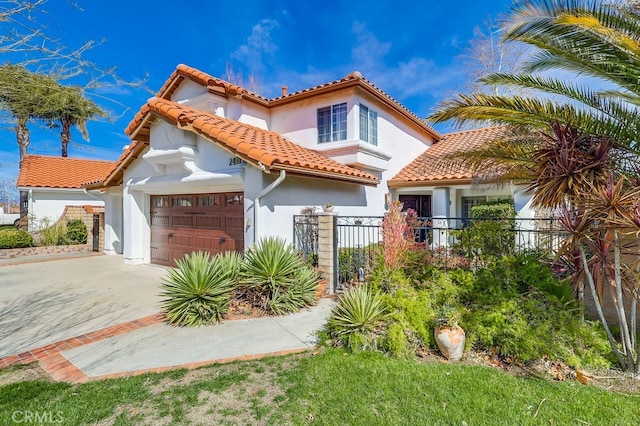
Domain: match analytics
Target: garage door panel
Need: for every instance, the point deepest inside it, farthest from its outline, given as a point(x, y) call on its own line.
point(160, 219)
point(187, 223)
point(162, 256)
point(209, 222)
point(209, 243)
point(184, 221)
point(181, 239)
point(234, 222)
point(159, 237)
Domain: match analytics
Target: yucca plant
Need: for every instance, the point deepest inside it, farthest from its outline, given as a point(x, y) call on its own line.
point(357, 319)
point(300, 292)
point(276, 278)
point(198, 291)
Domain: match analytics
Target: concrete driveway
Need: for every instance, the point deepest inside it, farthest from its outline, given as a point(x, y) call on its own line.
point(49, 301)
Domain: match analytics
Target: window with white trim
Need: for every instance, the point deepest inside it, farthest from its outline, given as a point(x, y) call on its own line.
point(368, 125)
point(332, 123)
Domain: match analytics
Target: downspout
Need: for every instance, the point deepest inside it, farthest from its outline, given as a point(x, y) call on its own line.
point(256, 202)
point(30, 214)
point(93, 195)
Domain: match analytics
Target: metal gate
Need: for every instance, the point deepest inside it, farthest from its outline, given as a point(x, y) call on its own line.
point(357, 243)
point(96, 232)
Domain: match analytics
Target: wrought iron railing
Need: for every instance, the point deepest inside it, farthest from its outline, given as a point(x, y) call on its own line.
point(452, 241)
point(305, 236)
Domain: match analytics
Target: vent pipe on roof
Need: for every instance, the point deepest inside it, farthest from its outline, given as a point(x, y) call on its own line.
point(284, 90)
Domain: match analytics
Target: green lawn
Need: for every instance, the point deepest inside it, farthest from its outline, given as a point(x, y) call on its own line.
point(330, 388)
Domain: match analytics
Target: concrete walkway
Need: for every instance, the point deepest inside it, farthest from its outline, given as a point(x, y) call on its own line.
point(106, 346)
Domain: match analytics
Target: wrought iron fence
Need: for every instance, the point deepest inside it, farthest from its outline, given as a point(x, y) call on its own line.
point(452, 241)
point(305, 236)
point(357, 241)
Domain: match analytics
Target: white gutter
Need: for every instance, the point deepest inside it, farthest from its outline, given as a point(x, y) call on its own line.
point(256, 202)
point(94, 195)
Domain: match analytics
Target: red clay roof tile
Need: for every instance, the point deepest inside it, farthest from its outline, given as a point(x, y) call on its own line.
point(39, 171)
point(212, 83)
point(355, 78)
point(429, 167)
point(252, 143)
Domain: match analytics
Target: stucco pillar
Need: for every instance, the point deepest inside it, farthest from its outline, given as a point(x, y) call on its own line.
point(136, 227)
point(326, 249)
point(441, 204)
point(526, 229)
point(113, 223)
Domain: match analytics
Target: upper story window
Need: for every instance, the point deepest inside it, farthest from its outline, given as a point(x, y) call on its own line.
point(368, 125)
point(332, 123)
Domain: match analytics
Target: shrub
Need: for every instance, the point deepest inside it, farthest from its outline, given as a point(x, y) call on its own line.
point(412, 310)
point(395, 236)
point(491, 233)
point(54, 235)
point(198, 291)
point(275, 278)
point(76, 232)
point(514, 314)
point(15, 238)
point(397, 343)
point(357, 321)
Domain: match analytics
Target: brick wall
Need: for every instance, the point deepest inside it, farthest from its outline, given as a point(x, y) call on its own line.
point(85, 214)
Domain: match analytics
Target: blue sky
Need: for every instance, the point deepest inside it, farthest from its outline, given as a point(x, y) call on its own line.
point(409, 49)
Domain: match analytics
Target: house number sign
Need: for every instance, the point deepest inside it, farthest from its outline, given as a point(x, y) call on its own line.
point(235, 161)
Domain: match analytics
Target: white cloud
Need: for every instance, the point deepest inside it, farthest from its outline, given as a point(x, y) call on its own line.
point(258, 46)
point(369, 52)
point(415, 76)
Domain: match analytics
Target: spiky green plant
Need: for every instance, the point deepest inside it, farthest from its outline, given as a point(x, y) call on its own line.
point(198, 291)
point(356, 320)
point(276, 277)
point(298, 294)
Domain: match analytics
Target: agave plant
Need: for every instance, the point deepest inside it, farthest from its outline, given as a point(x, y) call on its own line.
point(277, 277)
point(298, 294)
point(357, 317)
point(198, 291)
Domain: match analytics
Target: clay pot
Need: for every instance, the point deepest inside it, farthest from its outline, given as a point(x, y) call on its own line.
point(321, 290)
point(450, 341)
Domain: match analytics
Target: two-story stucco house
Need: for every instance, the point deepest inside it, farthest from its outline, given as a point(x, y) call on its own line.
point(216, 167)
point(213, 166)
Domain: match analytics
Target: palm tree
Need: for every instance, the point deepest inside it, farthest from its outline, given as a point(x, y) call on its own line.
point(591, 39)
point(21, 94)
point(573, 142)
point(67, 107)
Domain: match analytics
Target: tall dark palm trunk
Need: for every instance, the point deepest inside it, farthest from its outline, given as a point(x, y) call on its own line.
point(65, 136)
point(23, 137)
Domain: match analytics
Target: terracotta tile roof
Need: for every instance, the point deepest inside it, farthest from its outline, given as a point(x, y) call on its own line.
point(354, 79)
point(430, 169)
point(39, 171)
point(257, 146)
point(213, 84)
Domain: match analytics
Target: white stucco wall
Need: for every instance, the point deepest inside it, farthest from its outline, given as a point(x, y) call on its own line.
point(47, 205)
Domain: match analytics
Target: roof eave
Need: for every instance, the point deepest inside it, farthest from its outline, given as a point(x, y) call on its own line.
point(401, 183)
point(314, 173)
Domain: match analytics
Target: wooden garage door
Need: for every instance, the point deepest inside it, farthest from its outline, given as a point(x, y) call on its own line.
point(182, 224)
